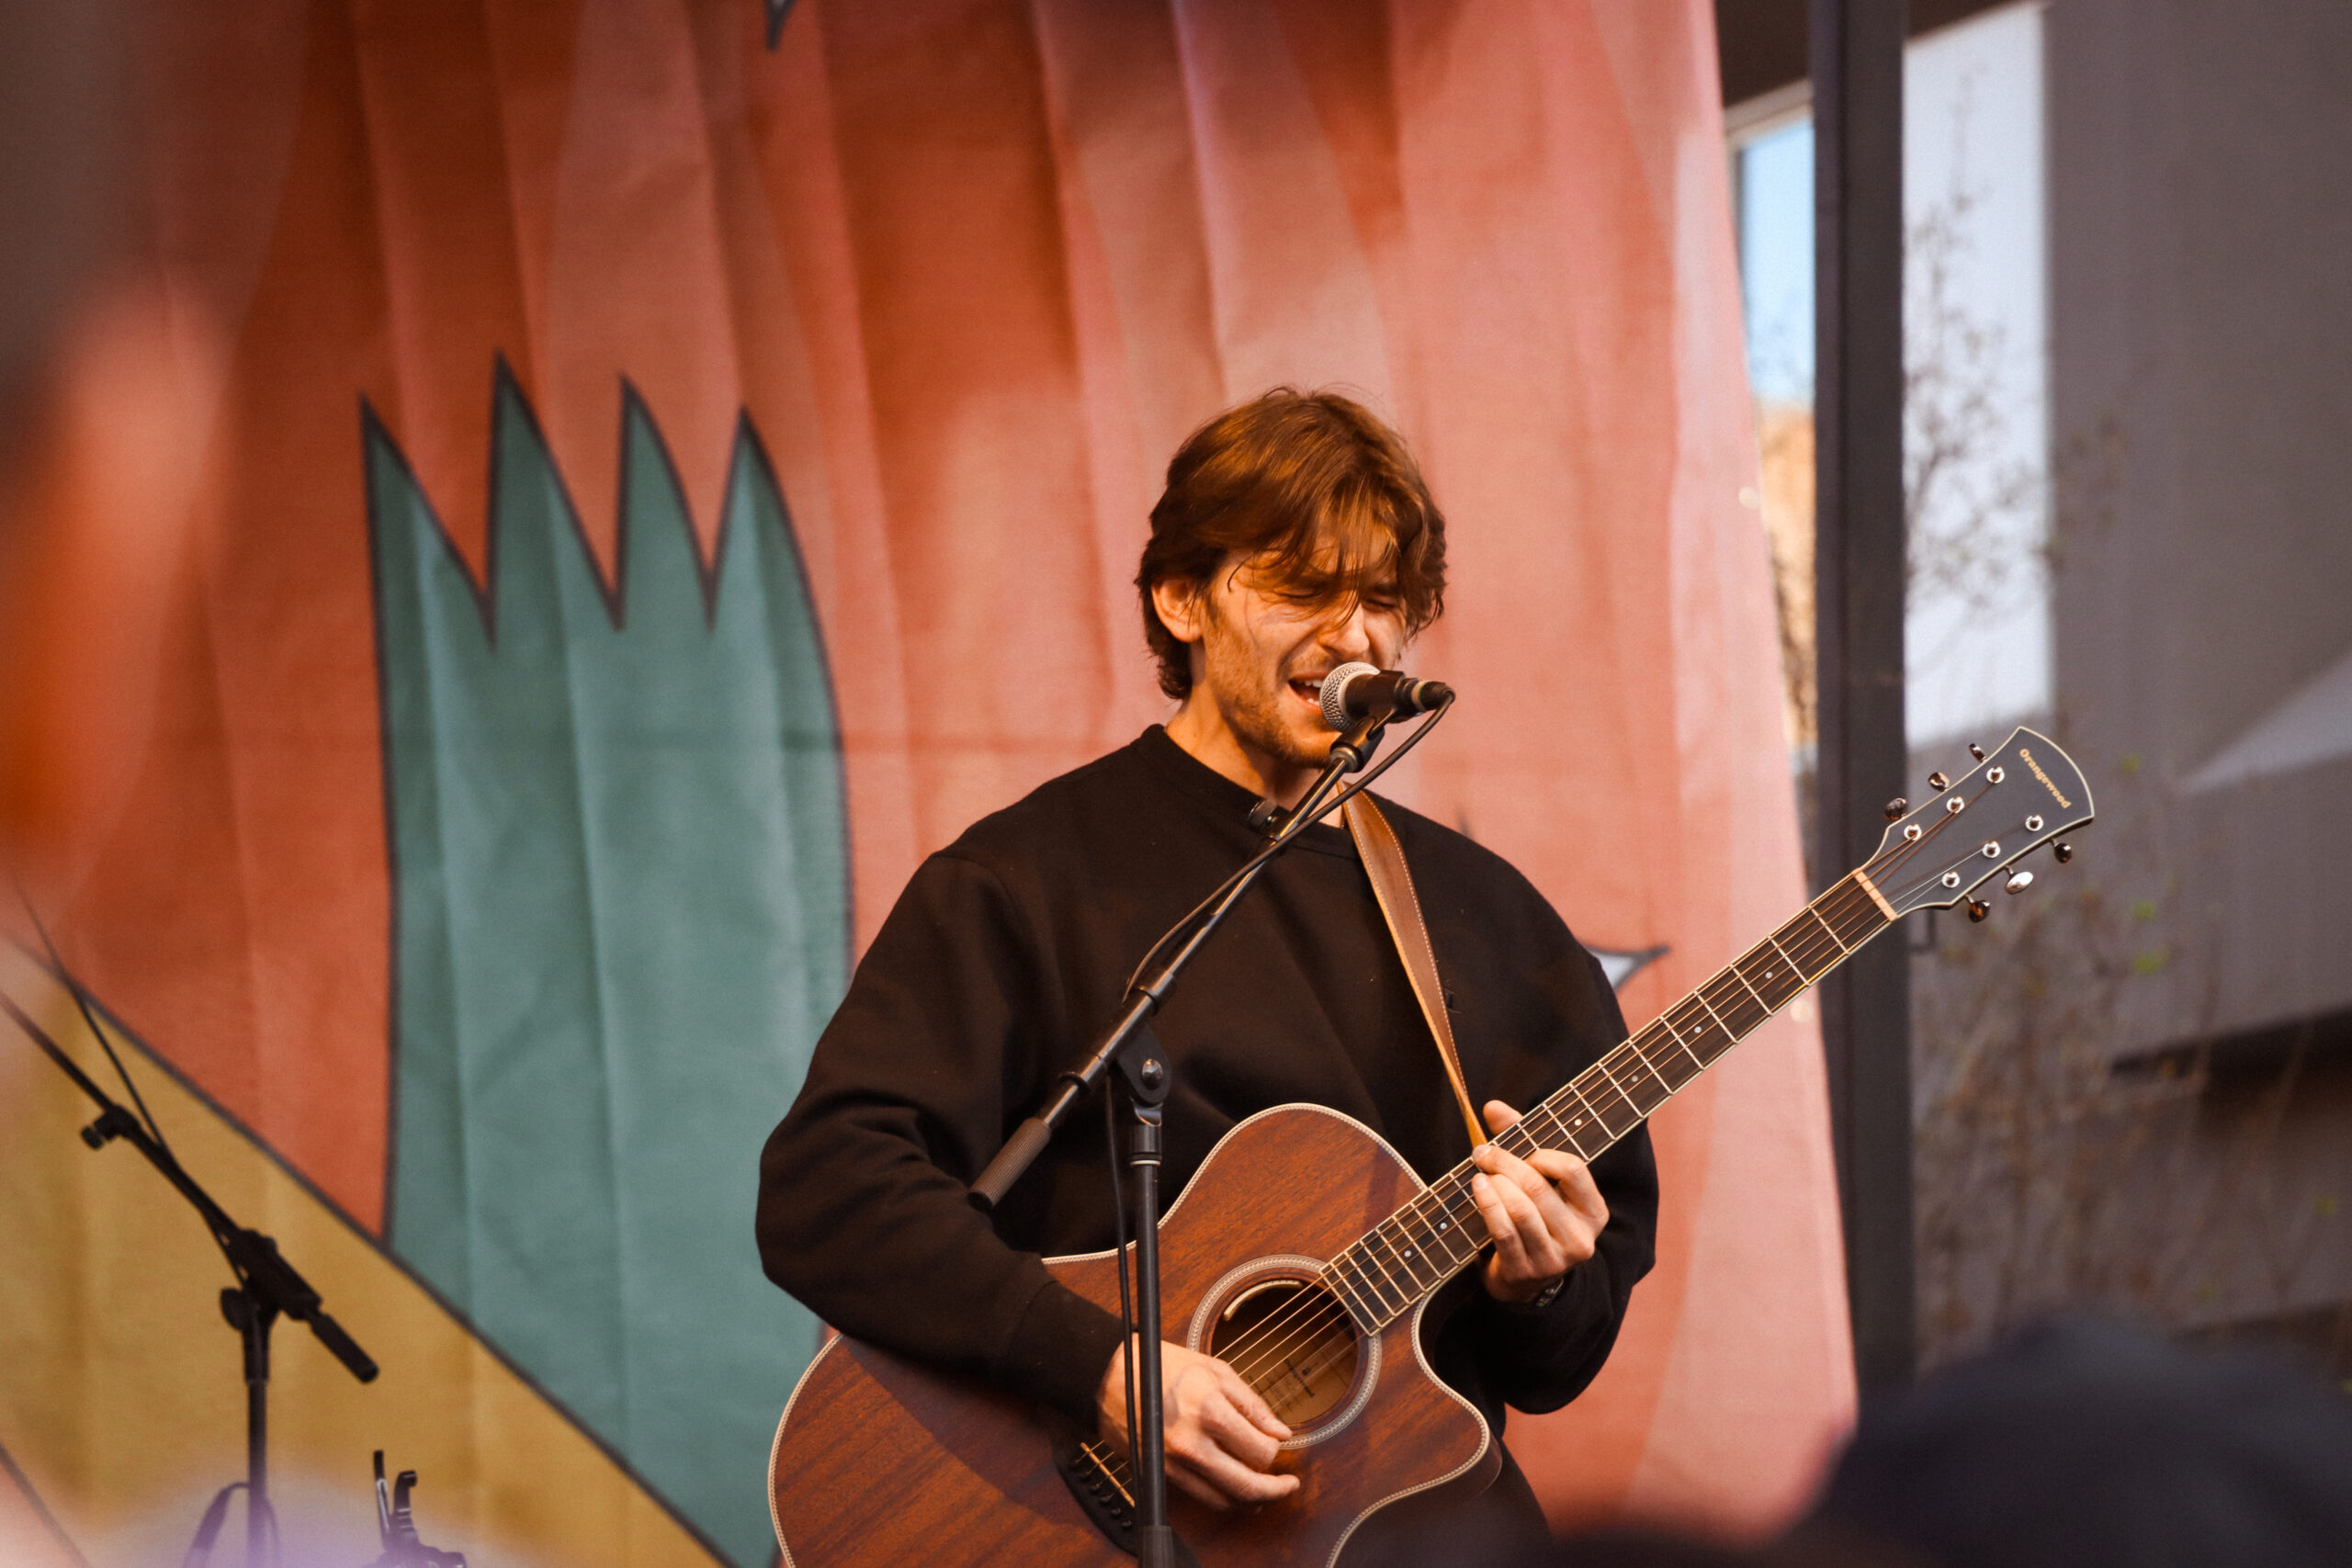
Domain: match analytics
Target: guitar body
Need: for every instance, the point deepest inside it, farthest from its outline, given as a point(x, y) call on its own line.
point(880, 1459)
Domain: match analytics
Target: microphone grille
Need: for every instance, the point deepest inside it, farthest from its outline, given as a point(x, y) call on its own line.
point(1334, 691)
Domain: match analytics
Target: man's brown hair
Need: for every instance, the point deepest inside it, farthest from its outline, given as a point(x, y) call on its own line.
point(1319, 496)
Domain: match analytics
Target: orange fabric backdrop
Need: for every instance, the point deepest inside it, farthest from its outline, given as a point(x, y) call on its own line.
point(973, 269)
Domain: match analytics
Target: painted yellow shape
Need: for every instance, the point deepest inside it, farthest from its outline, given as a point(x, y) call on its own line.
point(121, 1395)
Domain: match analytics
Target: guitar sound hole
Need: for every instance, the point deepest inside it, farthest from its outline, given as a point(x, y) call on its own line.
point(1294, 1343)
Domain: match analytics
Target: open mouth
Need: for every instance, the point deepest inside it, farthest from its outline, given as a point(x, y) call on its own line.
point(1309, 688)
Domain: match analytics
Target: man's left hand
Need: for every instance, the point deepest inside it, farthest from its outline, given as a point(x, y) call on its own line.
point(1543, 1213)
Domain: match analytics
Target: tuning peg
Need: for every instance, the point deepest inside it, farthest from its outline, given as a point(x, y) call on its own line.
point(1896, 807)
point(2062, 853)
point(1937, 780)
point(1978, 908)
point(1975, 752)
point(2018, 882)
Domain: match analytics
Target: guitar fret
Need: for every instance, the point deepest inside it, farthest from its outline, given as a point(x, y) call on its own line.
point(1674, 1063)
point(1824, 925)
point(1803, 979)
point(1643, 1056)
point(1589, 1117)
point(1568, 1131)
point(1404, 1262)
point(1434, 1243)
point(1596, 1080)
point(1461, 1219)
point(1626, 1048)
point(1699, 1023)
point(1735, 1004)
point(1369, 1258)
point(1609, 1077)
point(1452, 1224)
point(1338, 1284)
point(1731, 1036)
point(1664, 1059)
point(1667, 1024)
point(1366, 1285)
point(1699, 1027)
point(1752, 991)
point(1544, 1106)
point(1467, 1234)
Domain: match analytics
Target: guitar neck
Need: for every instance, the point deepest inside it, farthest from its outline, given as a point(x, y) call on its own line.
point(1407, 1255)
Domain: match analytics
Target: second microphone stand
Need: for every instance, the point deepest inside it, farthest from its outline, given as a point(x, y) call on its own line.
point(1146, 1079)
point(267, 1288)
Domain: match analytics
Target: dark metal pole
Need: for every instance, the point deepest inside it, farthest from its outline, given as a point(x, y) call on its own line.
point(258, 1318)
point(1857, 60)
point(1155, 1542)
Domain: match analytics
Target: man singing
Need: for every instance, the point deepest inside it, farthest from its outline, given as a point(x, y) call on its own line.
point(1295, 535)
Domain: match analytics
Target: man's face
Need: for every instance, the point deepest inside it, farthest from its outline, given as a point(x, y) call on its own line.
point(1262, 659)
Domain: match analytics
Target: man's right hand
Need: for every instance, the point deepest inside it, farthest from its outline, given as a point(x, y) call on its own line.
point(1221, 1438)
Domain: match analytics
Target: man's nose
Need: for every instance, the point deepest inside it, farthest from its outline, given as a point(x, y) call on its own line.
point(1348, 638)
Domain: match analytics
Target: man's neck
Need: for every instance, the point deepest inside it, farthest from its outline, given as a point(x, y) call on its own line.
point(1201, 730)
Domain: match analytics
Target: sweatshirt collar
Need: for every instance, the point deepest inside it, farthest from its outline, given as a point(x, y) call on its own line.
point(1224, 799)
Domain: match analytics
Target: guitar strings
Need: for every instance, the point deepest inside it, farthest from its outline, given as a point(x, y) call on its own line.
point(1276, 1340)
point(1282, 1337)
point(1316, 1308)
point(1275, 1334)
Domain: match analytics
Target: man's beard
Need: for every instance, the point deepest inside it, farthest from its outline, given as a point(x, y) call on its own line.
point(1259, 717)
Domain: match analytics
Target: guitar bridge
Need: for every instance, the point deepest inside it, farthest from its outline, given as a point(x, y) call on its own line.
point(1097, 1477)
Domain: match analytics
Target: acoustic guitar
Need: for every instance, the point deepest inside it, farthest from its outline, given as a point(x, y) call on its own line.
point(1305, 1254)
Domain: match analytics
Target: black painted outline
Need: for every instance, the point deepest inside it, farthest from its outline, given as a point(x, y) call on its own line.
point(751, 448)
point(747, 447)
point(705, 572)
point(32, 1494)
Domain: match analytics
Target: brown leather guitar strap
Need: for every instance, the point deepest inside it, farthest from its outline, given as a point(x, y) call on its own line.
point(1392, 884)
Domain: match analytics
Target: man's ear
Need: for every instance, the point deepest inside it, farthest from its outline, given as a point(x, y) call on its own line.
point(1182, 608)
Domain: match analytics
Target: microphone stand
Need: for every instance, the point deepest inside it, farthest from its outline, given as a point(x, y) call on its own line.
point(1146, 1079)
point(268, 1287)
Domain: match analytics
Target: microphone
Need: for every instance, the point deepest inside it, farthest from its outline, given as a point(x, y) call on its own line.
point(1360, 691)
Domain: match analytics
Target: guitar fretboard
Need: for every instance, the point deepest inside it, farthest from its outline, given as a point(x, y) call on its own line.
point(1404, 1257)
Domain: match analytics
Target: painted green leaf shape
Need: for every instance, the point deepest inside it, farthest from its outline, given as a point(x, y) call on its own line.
point(619, 846)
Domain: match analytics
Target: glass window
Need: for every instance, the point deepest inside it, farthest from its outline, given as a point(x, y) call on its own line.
point(1976, 374)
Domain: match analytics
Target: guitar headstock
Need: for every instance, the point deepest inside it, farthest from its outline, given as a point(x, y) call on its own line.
point(2025, 794)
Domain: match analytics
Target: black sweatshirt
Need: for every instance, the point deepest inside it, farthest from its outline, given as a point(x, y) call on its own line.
point(1006, 956)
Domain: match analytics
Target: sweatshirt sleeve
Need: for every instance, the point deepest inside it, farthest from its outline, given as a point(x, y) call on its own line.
point(1538, 1359)
point(862, 1213)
